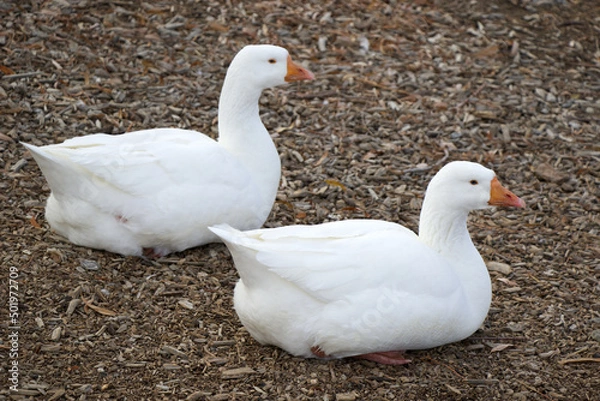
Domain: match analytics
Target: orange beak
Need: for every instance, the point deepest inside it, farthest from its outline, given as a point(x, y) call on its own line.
point(500, 196)
point(297, 73)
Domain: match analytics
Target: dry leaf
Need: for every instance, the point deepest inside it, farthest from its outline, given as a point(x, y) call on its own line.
point(487, 52)
point(369, 155)
point(6, 70)
point(282, 129)
point(99, 309)
point(322, 159)
point(335, 183)
point(500, 347)
point(287, 204)
point(506, 281)
point(34, 222)
point(215, 26)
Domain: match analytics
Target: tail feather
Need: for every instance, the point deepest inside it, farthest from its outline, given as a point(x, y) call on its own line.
point(36, 152)
point(227, 233)
point(53, 169)
point(64, 177)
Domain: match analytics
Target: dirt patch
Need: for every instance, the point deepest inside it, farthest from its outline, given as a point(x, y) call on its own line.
point(402, 88)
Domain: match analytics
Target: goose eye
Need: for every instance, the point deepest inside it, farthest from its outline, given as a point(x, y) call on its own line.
point(473, 182)
point(272, 61)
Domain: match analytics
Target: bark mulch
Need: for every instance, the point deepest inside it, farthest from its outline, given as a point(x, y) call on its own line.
point(402, 87)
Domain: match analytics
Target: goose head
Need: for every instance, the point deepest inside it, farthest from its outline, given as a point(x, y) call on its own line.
point(266, 66)
point(464, 186)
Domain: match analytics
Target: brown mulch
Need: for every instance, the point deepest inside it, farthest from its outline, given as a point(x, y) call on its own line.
point(402, 87)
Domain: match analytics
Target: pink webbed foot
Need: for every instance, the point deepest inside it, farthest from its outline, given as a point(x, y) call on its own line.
point(385, 358)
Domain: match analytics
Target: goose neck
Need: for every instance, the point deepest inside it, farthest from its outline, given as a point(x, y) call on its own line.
point(445, 231)
point(243, 134)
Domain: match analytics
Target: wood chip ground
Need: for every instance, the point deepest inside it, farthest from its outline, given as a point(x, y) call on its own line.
point(402, 87)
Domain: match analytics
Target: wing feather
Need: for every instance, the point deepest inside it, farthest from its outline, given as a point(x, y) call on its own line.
point(140, 173)
point(334, 260)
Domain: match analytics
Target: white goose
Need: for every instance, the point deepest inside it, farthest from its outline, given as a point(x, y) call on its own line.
point(156, 191)
point(368, 288)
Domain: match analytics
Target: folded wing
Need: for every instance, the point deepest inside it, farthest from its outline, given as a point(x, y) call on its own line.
point(336, 260)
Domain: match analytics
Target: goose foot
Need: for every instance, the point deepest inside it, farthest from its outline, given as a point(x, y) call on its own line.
point(385, 358)
point(318, 352)
point(151, 253)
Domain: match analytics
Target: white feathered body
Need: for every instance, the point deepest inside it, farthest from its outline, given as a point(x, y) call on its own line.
point(158, 188)
point(352, 287)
